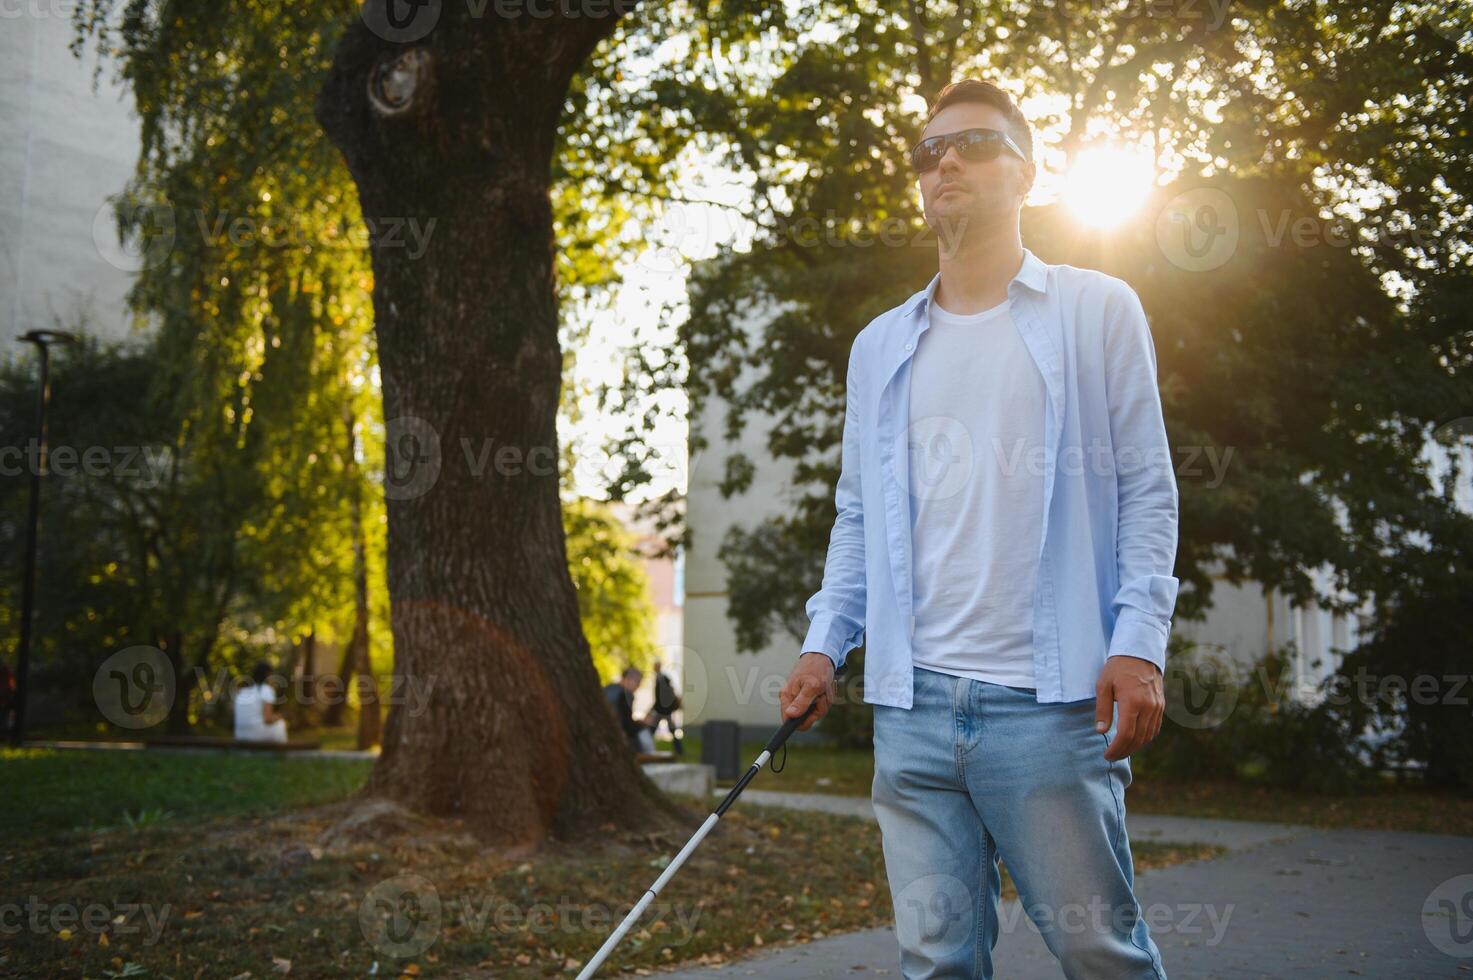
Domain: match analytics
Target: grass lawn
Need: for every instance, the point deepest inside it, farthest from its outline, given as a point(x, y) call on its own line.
point(849, 772)
point(338, 739)
point(254, 871)
point(54, 792)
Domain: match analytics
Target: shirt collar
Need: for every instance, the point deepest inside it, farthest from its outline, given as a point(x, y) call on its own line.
point(1033, 273)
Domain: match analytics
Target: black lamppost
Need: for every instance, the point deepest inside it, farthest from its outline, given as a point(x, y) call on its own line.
point(41, 338)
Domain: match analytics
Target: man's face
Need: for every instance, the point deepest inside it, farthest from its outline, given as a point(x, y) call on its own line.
point(957, 193)
point(631, 682)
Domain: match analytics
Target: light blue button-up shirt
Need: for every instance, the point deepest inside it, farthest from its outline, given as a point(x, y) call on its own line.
point(1108, 546)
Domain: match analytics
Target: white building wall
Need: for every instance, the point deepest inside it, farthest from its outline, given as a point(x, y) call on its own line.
point(723, 683)
point(63, 150)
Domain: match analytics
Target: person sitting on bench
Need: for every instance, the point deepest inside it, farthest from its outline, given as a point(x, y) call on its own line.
point(256, 717)
point(620, 696)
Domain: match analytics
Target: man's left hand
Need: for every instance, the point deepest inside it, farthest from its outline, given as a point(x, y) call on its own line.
point(1135, 684)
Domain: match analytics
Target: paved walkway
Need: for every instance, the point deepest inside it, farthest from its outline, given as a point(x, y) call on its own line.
point(1285, 901)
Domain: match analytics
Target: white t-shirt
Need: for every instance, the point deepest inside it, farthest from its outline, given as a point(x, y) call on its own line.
point(249, 718)
point(976, 445)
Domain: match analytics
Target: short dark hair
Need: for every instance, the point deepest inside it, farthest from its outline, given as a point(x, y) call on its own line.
point(976, 90)
point(260, 672)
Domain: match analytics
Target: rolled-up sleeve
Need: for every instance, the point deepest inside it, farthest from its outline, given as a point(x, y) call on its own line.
point(1146, 484)
point(836, 610)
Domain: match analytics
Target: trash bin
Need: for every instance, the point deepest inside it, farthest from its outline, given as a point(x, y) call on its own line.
point(721, 747)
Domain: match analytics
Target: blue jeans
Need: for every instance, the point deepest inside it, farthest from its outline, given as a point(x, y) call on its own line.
point(976, 771)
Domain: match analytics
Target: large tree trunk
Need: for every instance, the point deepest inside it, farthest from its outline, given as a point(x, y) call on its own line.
point(500, 718)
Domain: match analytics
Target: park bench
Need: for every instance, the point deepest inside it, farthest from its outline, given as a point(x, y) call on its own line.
point(221, 742)
point(655, 757)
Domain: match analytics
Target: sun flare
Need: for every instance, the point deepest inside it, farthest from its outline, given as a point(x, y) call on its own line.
point(1108, 184)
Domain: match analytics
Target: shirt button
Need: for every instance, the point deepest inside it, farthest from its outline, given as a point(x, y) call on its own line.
point(907, 346)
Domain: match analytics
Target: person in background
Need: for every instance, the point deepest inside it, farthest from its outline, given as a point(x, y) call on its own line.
point(667, 702)
point(7, 700)
point(256, 717)
point(620, 695)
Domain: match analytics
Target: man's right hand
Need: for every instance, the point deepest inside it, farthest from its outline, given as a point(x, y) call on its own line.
point(812, 677)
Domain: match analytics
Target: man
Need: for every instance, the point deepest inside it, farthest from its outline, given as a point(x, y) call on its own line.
point(256, 717)
point(667, 702)
point(620, 695)
point(1004, 545)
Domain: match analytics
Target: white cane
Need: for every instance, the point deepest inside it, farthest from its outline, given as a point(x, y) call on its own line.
point(777, 740)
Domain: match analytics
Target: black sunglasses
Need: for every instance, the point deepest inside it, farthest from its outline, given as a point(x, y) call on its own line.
point(977, 145)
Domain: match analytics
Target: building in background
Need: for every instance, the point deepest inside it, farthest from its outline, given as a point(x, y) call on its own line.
point(667, 594)
point(64, 149)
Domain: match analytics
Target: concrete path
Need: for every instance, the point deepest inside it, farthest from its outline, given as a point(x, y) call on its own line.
point(1286, 901)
